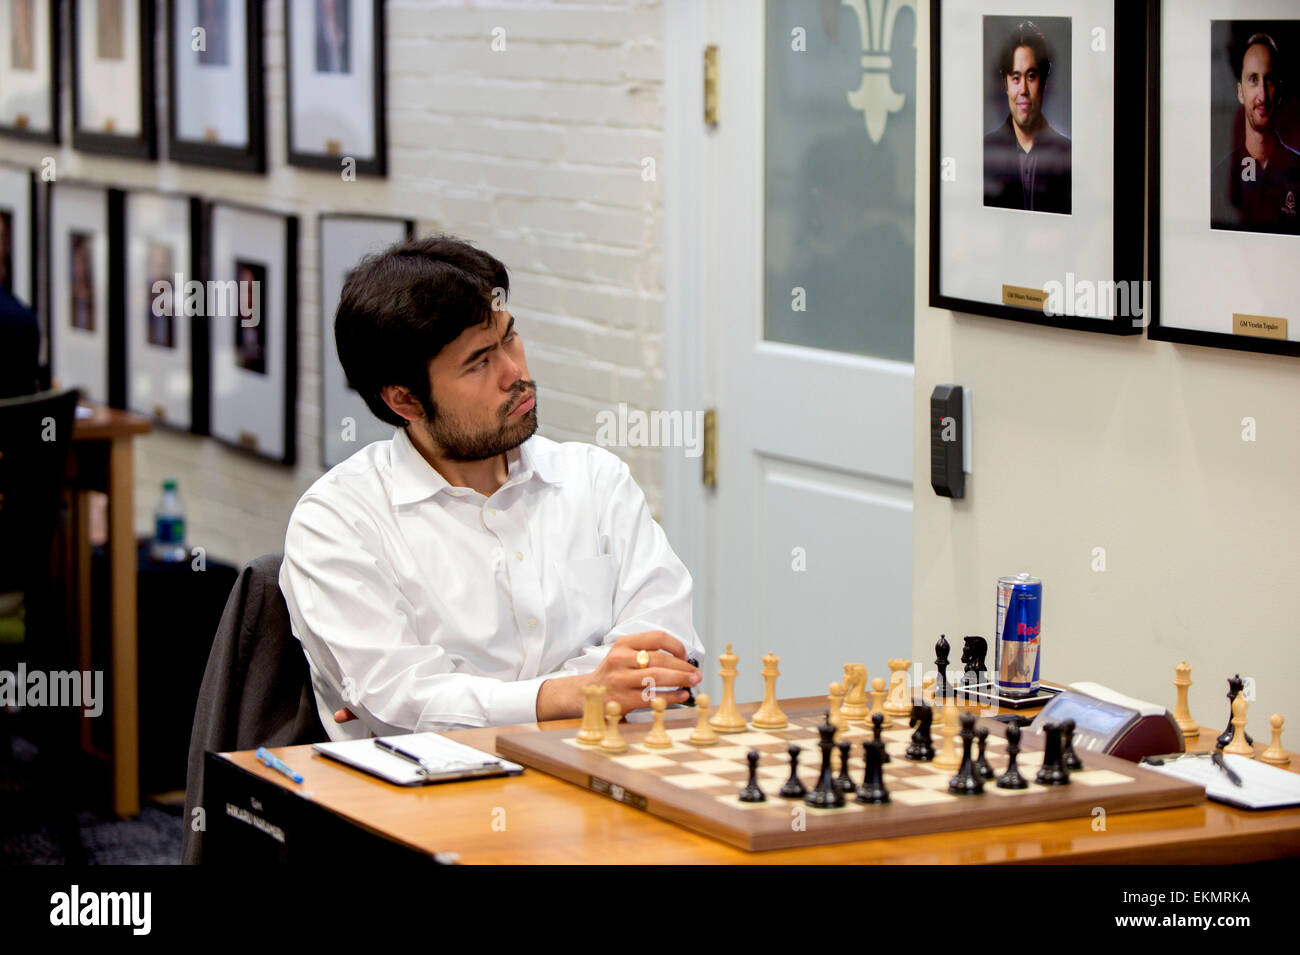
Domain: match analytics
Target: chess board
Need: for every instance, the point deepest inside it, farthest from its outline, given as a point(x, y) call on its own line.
point(697, 786)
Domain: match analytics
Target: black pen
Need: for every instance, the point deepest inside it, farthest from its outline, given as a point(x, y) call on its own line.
point(396, 751)
point(1217, 759)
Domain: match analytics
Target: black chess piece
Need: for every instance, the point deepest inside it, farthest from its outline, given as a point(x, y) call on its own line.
point(1068, 756)
point(844, 780)
point(921, 748)
point(873, 788)
point(981, 763)
point(973, 654)
point(876, 720)
point(1235, 683)
point(967, 782)
point(794, 788)
point(1012, 779)
point(1053, 771)
point(942, 688)
point(825, 795)
point(751, 792)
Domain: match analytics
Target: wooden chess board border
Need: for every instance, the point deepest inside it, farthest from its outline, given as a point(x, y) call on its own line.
point(769, 825)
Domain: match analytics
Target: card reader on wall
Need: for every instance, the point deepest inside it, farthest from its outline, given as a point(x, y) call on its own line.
point(949, 440)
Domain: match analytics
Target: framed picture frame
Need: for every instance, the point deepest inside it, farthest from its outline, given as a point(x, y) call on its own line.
point(84, 280)
point(113, 77)
point(334, 64)
point(216, 108)
point(1225, 203)
point(252, 318)
point(1054, 239)
point(165, 358)
point(29, 70)
point(346, 424)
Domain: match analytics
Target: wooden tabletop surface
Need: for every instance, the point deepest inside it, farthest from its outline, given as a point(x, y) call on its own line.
point(535, 818)
point(107, 423)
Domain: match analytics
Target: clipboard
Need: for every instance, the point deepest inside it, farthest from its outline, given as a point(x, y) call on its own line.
point(1262, 786)
point(417, 759)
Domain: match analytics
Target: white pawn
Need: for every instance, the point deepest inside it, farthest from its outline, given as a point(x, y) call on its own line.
point(658, 737)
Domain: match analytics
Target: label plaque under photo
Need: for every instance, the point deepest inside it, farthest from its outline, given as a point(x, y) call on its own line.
point(1021, 297)
point(1259, 326)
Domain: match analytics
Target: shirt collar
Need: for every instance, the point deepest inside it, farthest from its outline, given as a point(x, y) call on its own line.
point(414, 479)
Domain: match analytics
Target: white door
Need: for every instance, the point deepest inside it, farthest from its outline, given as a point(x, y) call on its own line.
point(809, 226)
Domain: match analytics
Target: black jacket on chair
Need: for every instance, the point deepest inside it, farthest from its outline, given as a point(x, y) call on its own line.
point(256, 688)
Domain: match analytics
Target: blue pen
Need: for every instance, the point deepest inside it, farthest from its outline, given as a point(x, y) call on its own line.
point(275, 762)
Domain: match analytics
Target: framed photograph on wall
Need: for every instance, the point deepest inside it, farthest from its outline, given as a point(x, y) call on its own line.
point(166, 350)
point(252, 318)
point(29, 69)
point(113, 77)
point(85, 289)
point(347, 425)
point(334, 59)
point(1225, 174)
point(215, 83)
point(1036, 194)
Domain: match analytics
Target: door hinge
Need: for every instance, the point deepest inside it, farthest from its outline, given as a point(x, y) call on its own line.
point(709, 468)
point(711, 84)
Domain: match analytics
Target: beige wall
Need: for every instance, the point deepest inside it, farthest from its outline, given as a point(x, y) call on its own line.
point(1083, 441)
point(534, 152)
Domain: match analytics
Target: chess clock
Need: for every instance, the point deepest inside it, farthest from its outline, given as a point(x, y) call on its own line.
point(1109, 722)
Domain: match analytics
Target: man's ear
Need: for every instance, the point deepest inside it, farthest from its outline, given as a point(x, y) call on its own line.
point(402, 402)
point(1240, 98)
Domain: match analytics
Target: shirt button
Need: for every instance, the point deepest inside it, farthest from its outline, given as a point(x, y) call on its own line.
point(492, 510)
point(457, 493)
point(519, 555)
point(532, 621)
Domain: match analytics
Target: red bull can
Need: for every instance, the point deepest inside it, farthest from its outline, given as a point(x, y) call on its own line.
point(1019, 634)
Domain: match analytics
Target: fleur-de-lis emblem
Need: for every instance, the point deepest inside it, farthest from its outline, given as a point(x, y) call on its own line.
point(874, 97)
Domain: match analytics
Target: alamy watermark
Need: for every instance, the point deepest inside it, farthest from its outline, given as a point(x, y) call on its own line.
point(24, 688)
point(1086, 298)
point(211, 299)
point(634, 428)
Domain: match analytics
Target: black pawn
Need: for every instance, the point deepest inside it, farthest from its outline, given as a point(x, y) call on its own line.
point(1072, 761)
point(826, 795)
point(922, 746)
point(793, 788)
point(751, 792)
point(1235, 683)
point(873, 788)
point(942, 689)
point(876, 720)
point(981, 763)
point(1053, 772)
point(1012, 779)
point(844, 780)
point(967, 782)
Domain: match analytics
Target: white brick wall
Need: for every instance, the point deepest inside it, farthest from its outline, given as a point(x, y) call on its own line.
point(534, 153)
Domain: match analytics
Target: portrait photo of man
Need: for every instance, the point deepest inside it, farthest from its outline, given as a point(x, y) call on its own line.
point(1026, 159)
point(22, 36)
point(1255, 185)
point(332, 36)
point(250, 331)
point(81, 280)
point(109, 42)
point(216, 33)
point(161, 326)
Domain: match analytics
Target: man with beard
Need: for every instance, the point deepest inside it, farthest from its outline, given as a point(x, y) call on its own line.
point(470, 572)
point(1026, 161)
point(1257, 185)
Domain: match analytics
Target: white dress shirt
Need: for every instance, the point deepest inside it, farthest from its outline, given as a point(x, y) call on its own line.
point(423, 606)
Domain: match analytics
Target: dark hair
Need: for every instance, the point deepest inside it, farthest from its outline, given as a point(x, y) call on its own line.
point(1027, 34)
point(400, 307)
point(1239, 54)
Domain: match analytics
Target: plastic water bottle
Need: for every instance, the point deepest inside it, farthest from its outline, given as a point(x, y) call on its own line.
point(169, 527)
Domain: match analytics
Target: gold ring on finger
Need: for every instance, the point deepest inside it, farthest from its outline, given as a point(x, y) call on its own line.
point(643, 658)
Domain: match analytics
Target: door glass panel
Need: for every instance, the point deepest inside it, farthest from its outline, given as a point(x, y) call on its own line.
point(839, 175)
